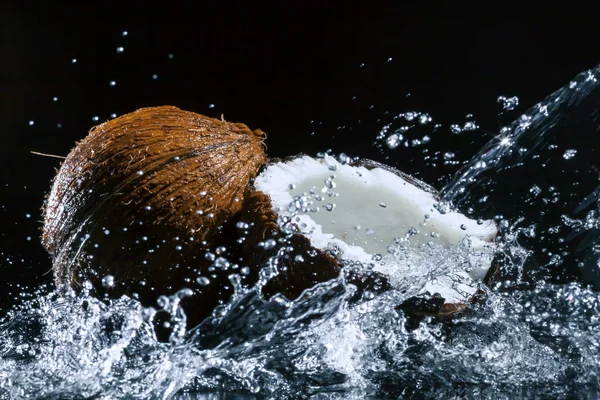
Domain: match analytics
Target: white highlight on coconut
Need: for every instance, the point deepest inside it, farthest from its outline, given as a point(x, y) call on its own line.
point(358, 195)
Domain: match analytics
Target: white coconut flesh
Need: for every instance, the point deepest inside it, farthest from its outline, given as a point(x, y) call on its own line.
point(362, 212)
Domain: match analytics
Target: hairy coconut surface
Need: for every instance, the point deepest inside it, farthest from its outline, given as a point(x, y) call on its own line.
point(361, 213)
point(143, 196)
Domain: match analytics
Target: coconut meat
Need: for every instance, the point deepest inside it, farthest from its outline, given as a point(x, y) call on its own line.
point(361, 212)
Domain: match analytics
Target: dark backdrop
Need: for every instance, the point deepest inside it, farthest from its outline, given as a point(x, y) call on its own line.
point(347, 69)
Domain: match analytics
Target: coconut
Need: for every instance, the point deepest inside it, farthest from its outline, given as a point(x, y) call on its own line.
point(330, 216)
point(137, 204)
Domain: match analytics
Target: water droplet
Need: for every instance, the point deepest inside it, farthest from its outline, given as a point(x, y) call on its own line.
point(535, 190)
point(74, 61)
point(108, 281)
point(269, 244)
point(154, 76)
point(449, 156)
point(203, 281)
point(221, 263)
point(140, 172)
point(569, 154)
point(95, 118)
point(470, 126)
point(245, 271)
point(389, 59)
point(424, 119)
point(211, 106)
point(299, 258)
point(55, 98)
point(394, 140)
point(120, 49)
point(171, 56)
point(124, 33)
point(113, 83)
point(508, 104)
point(31, 122)
point(454, 128)
point(106, 232)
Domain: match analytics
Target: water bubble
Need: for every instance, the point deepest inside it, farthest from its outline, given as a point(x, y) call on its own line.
point(245, 271)
point(329, 206)
point(108, 281)
point(569, 154)
point(299, 258)
point(382, 205)
point(202, 280)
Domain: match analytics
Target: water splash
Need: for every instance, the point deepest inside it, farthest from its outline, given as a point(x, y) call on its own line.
point(533, 335)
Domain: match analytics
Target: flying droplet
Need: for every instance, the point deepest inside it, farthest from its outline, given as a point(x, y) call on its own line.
point(108, 281)
point(569, 154)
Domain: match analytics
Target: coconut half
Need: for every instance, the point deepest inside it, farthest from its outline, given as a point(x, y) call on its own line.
point(374, 215)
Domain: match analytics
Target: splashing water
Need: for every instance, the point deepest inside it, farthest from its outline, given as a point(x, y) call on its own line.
point(535, 335)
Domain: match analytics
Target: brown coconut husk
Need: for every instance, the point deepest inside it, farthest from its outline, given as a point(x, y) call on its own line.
point(143, 197)
point(294, 277)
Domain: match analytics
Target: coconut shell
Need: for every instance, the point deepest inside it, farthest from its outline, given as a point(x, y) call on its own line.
point(294, 277)
point(143, 197)
point(299, 268)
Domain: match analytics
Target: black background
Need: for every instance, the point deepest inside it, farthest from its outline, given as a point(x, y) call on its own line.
point(272, 67)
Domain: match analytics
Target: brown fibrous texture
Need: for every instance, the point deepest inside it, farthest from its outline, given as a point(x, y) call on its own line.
point(143, 196)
